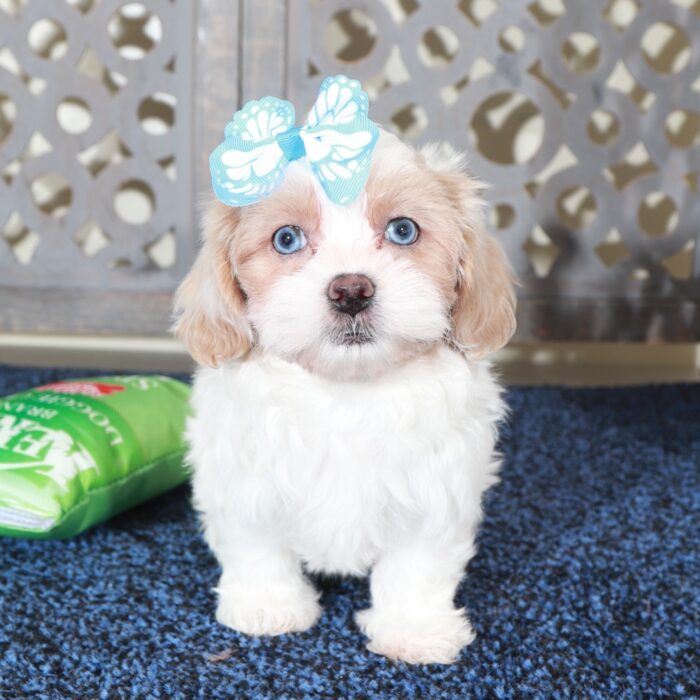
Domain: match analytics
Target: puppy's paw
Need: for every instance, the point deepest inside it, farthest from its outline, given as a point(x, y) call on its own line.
point(431, 638)
point(268, 611)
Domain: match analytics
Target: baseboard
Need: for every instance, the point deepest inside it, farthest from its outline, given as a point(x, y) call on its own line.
point(519, 363)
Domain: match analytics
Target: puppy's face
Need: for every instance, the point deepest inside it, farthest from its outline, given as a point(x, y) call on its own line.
point(350, 292)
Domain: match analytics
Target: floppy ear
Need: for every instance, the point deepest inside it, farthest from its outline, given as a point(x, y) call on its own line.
point(209, 305)
point(483, 316)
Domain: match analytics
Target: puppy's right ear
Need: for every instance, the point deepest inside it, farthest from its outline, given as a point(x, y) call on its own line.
point(210, 313)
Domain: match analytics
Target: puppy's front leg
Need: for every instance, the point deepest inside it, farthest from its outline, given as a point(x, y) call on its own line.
point(413, 617)
point(262, 590)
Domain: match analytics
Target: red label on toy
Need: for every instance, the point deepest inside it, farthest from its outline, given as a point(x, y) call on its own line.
point(94, 389)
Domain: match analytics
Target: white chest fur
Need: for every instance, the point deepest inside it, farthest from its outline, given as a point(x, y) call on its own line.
point(344, 470)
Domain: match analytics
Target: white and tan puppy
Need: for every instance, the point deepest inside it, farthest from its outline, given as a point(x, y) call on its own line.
point(344, 415)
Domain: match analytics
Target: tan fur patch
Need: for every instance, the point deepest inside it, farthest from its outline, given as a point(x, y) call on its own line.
point(209, 304)
point(416, 192)
point(483, 317)
point(256, 263)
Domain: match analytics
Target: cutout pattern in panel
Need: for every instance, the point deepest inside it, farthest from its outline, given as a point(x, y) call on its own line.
point(95, 121)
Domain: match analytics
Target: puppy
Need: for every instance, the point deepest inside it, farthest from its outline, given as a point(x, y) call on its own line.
point(345, 415)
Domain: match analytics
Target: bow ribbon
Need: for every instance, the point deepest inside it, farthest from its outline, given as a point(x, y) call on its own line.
point(261, 140)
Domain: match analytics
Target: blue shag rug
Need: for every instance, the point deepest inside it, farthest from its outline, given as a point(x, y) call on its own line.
point(586, 584)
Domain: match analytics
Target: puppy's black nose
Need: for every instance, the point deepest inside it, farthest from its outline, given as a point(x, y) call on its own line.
point(351, 293)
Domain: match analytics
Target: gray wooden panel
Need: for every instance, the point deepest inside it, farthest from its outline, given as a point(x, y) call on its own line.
point(583, 117)
point(217, 88)
point(96, 142)
point(98, 312)
point(263, 49)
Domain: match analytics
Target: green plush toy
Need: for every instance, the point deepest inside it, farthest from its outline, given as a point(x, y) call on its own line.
point(75, 453)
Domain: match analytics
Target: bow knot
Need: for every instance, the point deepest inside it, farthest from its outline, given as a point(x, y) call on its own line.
point(292, 144)
point(261, 140)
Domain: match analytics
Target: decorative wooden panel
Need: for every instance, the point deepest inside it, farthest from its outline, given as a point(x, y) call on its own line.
point(583, 118)
point(96, 173)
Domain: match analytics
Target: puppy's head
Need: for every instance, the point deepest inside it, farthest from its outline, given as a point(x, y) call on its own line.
point(350, 292)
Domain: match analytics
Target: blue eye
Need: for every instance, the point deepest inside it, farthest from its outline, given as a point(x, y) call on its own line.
point(288, 239)
point(402, 231)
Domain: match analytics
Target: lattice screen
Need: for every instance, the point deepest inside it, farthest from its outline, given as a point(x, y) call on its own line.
point(583, 116)
point(95, 155)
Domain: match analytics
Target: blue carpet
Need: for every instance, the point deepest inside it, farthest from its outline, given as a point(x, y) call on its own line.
point(586, 584)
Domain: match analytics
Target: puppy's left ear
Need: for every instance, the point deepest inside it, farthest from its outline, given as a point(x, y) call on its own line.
point(483, 316)
point(483, 319)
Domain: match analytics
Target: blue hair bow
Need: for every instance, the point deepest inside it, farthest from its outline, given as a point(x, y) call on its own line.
point(261, 141)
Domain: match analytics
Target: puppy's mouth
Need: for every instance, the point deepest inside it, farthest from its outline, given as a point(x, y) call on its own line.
point(353, 333)
point(356, 338)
